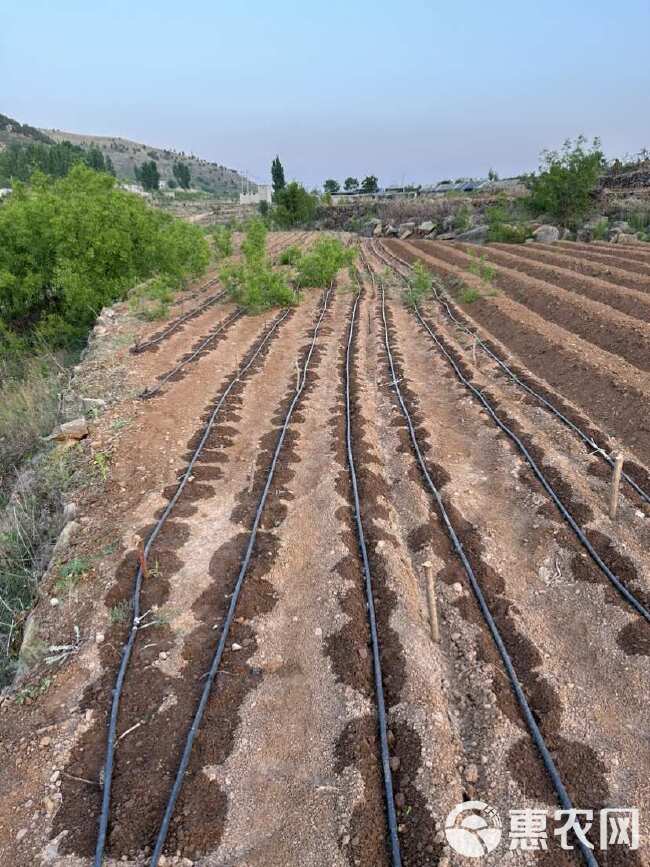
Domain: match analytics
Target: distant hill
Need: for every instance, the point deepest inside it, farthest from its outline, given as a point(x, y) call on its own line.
point(126, 154)
point(13, 132)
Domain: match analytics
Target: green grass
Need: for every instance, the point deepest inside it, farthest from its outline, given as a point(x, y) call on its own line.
point(469, 295)
point(419, 286)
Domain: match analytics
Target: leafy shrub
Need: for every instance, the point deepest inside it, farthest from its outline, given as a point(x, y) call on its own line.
point(252, 282)
point(469, 295)
point(293, 205)
point(70, 246)
point(600, 231)
point(566, 180)
point(501, 228)
point(320, 265)
point(150, 300)
point(463, 219)
point(290, 255)
point(222, 242)
point(419, 286)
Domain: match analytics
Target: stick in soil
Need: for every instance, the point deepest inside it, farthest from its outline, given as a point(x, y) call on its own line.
point(433, 607)
point(616, 484)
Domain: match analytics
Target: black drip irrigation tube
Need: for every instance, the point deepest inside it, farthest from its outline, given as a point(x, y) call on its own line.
point(233, 317)
point(137, 348)
point(568, 517)
point(136, 599)
point(216, 660)
point(589, 441)
point(536, 735)
point(391, 816)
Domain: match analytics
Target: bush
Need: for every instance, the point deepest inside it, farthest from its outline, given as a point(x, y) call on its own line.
point(293, 206)
point(321, 264)
point(502, 229)
point(222, 241)
point(69, 247)
point(463, 219)
point(290, 256)
point(419, 285)
point(563, 188)
point(252, 282)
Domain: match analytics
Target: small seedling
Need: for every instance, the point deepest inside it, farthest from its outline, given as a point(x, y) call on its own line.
point(120, 612)
point(420, 283)
point(33, 691)
point(102, 462)
point(71, 574)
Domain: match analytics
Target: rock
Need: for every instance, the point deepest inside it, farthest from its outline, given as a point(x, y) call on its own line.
point(21, 834)
point(426, 227)
point(448, 223)
point(621, 226)
point(377, 230)
point(391, 230)
point(431, 236)
point(446, 236)
point(394, 763)
point(626, 238)
point(93, 402)
point(409, 226)
point(471, 774)
point(70, 430)
point(477, 235)
point(400, 800)
point(405, 234)
point(70, 512)
point(235, 646)
point(45, 742)
point(546, 234)
point(566, 235)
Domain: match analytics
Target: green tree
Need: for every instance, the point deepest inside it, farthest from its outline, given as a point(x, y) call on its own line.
point(351, 184)
point(277, 176)
point(564, 186)
point(331, 186)
point(294, 205)
point(148, 175)
point(182, 174)
point(69, 246)
point(110, 168)
point(95, 159)
point(493, 175)
point(370, 184)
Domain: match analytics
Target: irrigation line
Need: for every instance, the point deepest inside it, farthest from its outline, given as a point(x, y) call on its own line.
point(216, 660)
point(233, 317)
point(137, 348)
point(396, 858)
point(136, 598)
point(538, 739)
point(589, 441)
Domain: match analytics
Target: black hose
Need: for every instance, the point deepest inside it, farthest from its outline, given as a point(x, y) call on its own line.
point(216, 660)
point(535, 732)
point(137, 348)
point(396, 858)
point(589, 441)
point(136, 597)
point(233, 317)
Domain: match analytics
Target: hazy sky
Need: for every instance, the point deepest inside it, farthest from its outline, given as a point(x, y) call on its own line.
point(413, 91)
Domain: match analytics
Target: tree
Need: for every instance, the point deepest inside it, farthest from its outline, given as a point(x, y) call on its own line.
point(148, 175)
point(277, 176)
point(566, 181)
point(182, 174)
point(109, 167)
point(370, 184)
point(351, 184)
point(493, 175)
point(331, 186)
point(293, 205)
point(95, 159)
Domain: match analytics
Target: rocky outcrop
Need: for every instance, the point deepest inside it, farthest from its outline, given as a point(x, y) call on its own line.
point(546, 234)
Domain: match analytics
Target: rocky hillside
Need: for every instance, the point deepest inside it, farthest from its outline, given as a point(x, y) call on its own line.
point(14, 132)
point(125, 154)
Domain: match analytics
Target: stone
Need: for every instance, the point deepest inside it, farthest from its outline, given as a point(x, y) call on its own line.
point(377, 230)
point(409, 226)
point(405, 234)
point(426, 227)
point(448, 223)
point(546, 234)
point(471, 774)
point(626, 238)
point(621, 226)
point(446, 236)
point(391, 230)
point(477, 235)
point(93, 402)
point(70, 512)
point(70, 430)
point(21, 834)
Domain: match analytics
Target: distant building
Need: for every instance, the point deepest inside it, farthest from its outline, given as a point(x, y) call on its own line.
point(264, 193)
point(4, 191)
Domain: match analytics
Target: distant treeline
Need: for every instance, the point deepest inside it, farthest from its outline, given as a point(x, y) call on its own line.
point(18, 162)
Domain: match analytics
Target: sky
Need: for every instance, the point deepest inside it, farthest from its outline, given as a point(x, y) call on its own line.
point(413, 92)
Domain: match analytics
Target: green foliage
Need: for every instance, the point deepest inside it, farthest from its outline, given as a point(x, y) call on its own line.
point(482, 269)
point(252, 282)
point(150, 300)
point(222, 241)
point(294, 206)
point(600, 231)
point(277, 176)
point(18, 162)
point(320, 265)
point(290, 256)
point(68, 247)
point(182, 174)
point(501, 226)
point(419, 285)
point(370, 184)
point(463, 218)
point(148, 175)
point(493, 175)
point(351, 184)
point(331, 186)
point(24, 129)
point(264, 208)
point(469, 295)
point(566, 180)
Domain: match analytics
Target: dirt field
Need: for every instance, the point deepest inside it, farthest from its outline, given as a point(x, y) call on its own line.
point(260, 432)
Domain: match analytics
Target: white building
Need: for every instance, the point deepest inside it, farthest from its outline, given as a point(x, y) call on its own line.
point(264, 194)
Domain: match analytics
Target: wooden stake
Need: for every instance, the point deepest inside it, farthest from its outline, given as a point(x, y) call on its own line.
point(474, 351)
point(616, 484)
point(142, 558)
point(433, 608)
